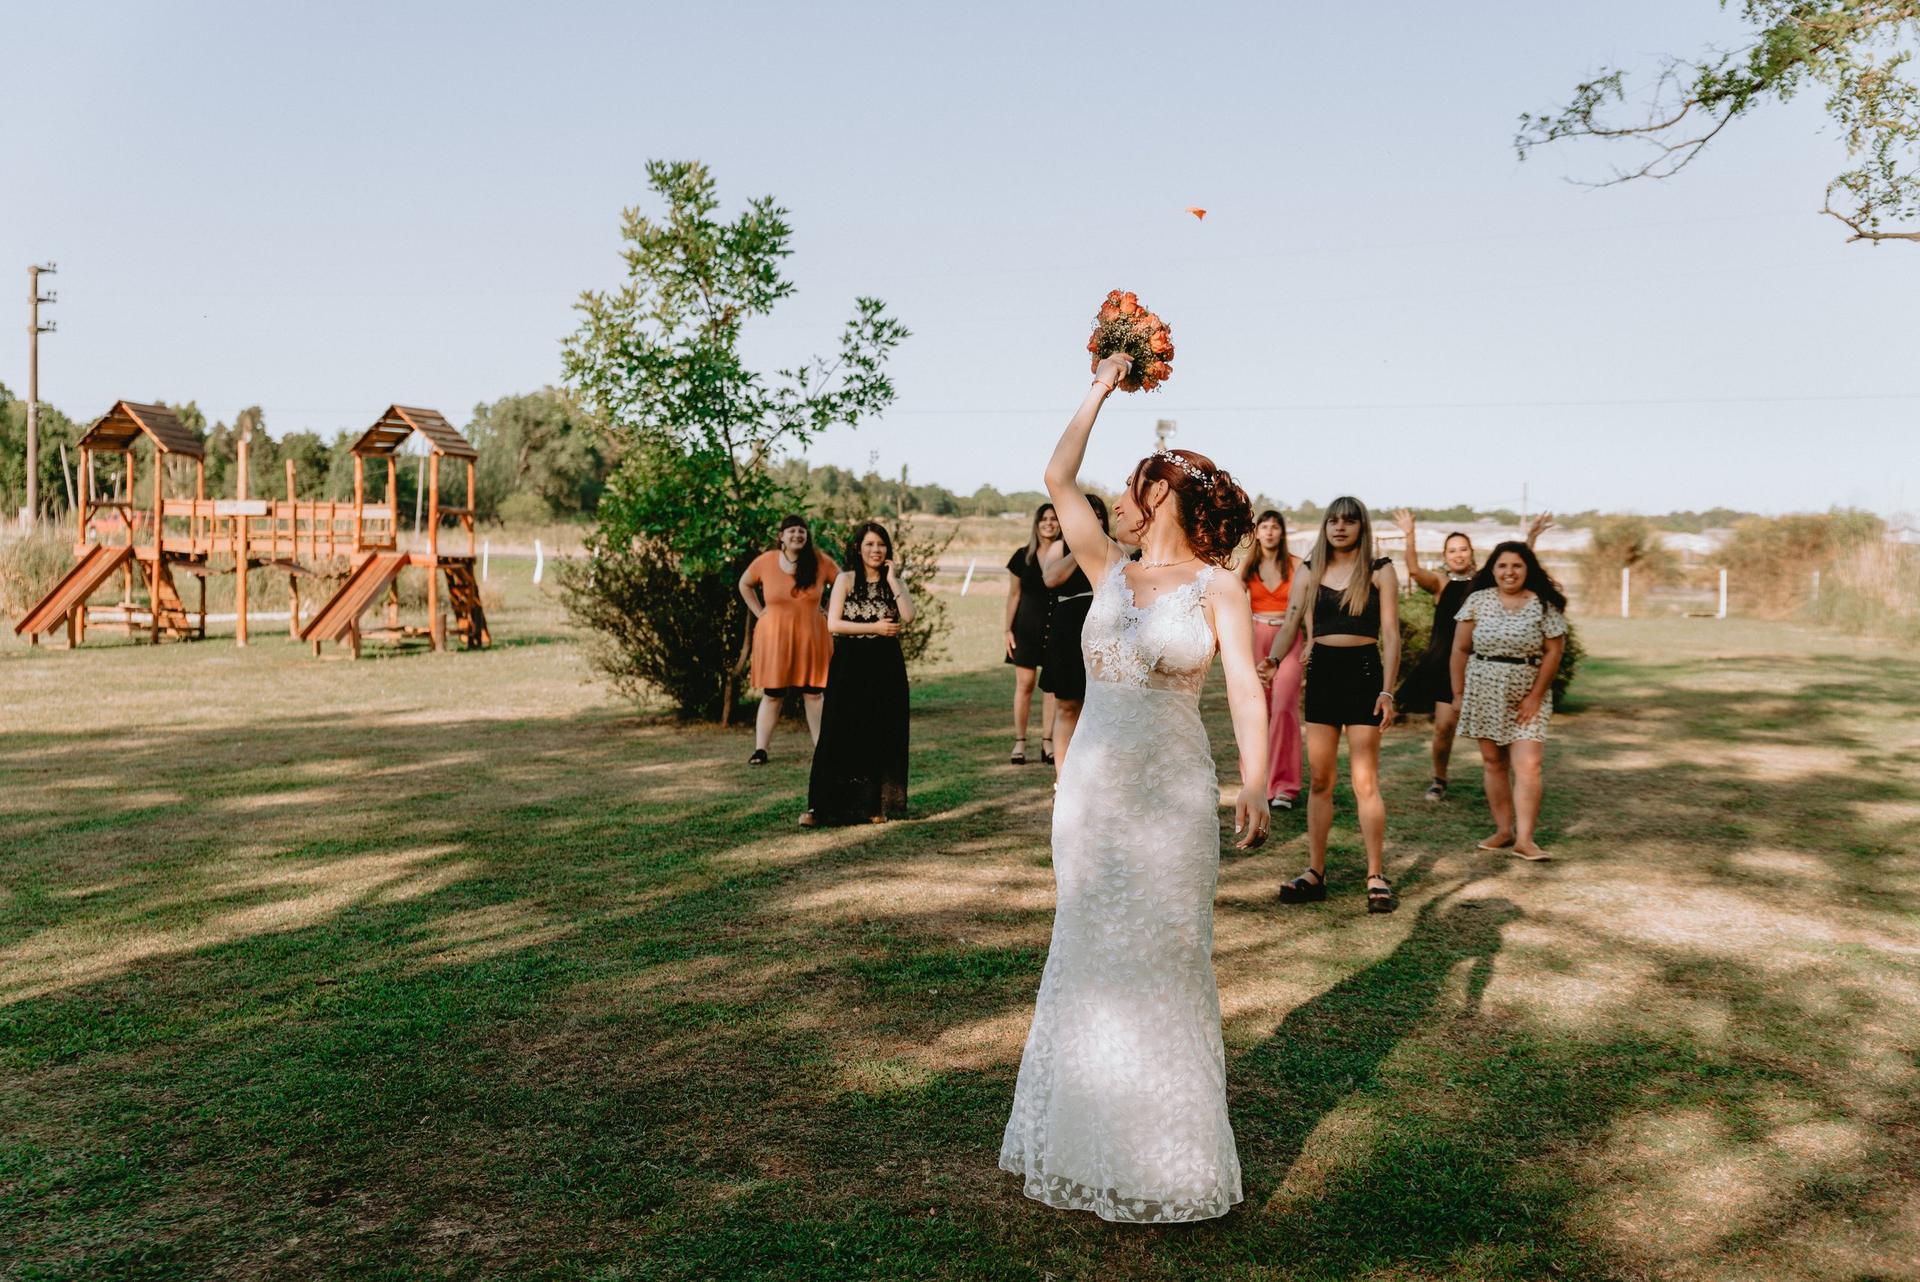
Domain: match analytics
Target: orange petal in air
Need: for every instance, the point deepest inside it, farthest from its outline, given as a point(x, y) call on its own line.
point(1197, 213)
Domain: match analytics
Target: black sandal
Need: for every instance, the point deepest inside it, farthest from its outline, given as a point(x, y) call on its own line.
point(1046, 752)
point(1381, 899)
point(1019, 755)
point(1302, 891)
point(759, 757)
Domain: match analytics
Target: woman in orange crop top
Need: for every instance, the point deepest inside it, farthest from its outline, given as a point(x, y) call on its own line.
point(1269, 574)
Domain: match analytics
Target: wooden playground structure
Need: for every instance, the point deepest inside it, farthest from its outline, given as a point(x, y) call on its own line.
point(197, 536)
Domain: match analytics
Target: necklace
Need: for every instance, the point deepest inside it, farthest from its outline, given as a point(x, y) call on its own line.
point(1161, 565)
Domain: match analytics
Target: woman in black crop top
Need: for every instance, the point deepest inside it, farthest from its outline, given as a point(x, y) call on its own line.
point(1350, 607)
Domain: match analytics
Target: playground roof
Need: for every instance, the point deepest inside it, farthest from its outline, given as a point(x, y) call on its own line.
point(127, 420)
point(402, 421)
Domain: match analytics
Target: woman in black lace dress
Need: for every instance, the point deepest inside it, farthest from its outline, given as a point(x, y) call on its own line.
point(860, 763)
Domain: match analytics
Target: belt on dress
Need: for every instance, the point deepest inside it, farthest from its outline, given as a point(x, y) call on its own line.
point(1531, 660)
point(1078, 596)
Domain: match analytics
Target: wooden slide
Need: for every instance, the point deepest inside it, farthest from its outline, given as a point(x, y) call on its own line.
point(71, 593)
point(338, 617)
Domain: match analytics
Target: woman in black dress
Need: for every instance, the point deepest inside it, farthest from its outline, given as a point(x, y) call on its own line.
point(1429, 683)
point(1065, 675)
point(1029, 605)
point(860, 763)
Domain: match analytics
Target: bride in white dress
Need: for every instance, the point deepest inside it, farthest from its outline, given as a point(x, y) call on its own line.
point(1121, 1105)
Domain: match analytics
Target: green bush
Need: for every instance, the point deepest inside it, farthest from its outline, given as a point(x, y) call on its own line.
point(1416, 634)
point(654, 629)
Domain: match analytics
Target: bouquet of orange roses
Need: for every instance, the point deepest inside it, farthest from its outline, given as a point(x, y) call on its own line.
point(1125, 325)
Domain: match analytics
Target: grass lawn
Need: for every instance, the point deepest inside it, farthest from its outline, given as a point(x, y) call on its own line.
point(448, 966)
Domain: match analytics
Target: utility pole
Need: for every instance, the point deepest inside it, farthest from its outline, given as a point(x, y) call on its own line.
point(31, 515)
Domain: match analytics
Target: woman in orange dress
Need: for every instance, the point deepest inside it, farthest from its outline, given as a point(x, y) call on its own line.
point(791, 646)
point(1268, 573)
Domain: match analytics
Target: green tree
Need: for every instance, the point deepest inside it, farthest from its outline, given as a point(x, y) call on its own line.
point(657, 361)
point(56, 430)
point(539, 445)
point(1858, 51)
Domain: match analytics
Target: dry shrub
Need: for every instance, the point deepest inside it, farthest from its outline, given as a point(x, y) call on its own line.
point(1873, 588)
point(1770, 561)
point(1630, 543)
point(30, 565)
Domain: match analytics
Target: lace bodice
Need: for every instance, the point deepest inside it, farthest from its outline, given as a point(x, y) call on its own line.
point(1166, 644)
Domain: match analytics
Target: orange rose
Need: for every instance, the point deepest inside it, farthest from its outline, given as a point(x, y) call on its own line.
point(1129, 304)
point(1113, 297)
point(1160, 371)
point(1160, 343)
point(1150, 321)
point(1110, 311)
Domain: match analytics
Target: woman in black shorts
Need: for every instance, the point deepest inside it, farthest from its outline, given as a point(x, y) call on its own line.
point(1350, 607)
point(1029, 606)
point(1065, 676)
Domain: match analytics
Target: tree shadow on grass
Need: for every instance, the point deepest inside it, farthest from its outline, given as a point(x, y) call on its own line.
point(600, 1019)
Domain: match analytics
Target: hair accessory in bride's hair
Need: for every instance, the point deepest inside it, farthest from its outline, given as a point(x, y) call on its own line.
point(1196, 473)
point(1125, 325)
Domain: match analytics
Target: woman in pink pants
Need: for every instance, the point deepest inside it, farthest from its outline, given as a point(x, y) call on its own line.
point(1268, 574)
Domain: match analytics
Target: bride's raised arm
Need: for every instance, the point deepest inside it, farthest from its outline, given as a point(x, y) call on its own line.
point(1246, 703)
point(1078, 525)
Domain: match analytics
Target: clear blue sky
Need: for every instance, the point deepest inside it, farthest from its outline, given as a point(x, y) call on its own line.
point(327, 208)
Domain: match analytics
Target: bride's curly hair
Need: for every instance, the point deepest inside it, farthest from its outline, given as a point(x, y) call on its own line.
point(1215, 513)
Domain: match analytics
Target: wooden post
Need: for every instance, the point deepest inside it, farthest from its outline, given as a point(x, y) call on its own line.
point(436, 626)
point(240, 555)
point(393, 503)
point(86, 495)
point(472, 520)
point(359, 491)
point(293, 607)
point(293, 520)
point(205, 518)
point(159, 550)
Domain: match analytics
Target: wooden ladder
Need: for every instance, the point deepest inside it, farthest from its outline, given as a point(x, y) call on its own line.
point(469, 619)
point(166, 603)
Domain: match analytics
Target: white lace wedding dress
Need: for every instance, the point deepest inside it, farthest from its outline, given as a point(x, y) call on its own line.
point(1121, 1104)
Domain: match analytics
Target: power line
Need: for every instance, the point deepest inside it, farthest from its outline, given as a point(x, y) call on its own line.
point(1302, 406)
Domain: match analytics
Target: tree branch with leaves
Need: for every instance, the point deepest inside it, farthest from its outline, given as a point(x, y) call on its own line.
point(1859, 51)
point(657, 363)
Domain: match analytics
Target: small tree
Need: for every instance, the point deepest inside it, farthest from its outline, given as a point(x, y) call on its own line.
point(1859, 51)
point(657, 362)
point(1624, 542)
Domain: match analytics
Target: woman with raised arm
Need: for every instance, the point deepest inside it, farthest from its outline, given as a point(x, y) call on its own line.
point(1121, 1104)
point(1429, 683)
point(791, 645)
point(1064, 677)
point(1350, 606)
point(1029, 607)
point(1268, 573)
point(1506, 652)
point(860, 763)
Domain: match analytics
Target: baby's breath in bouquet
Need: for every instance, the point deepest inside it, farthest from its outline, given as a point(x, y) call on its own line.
point(1125, 325)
